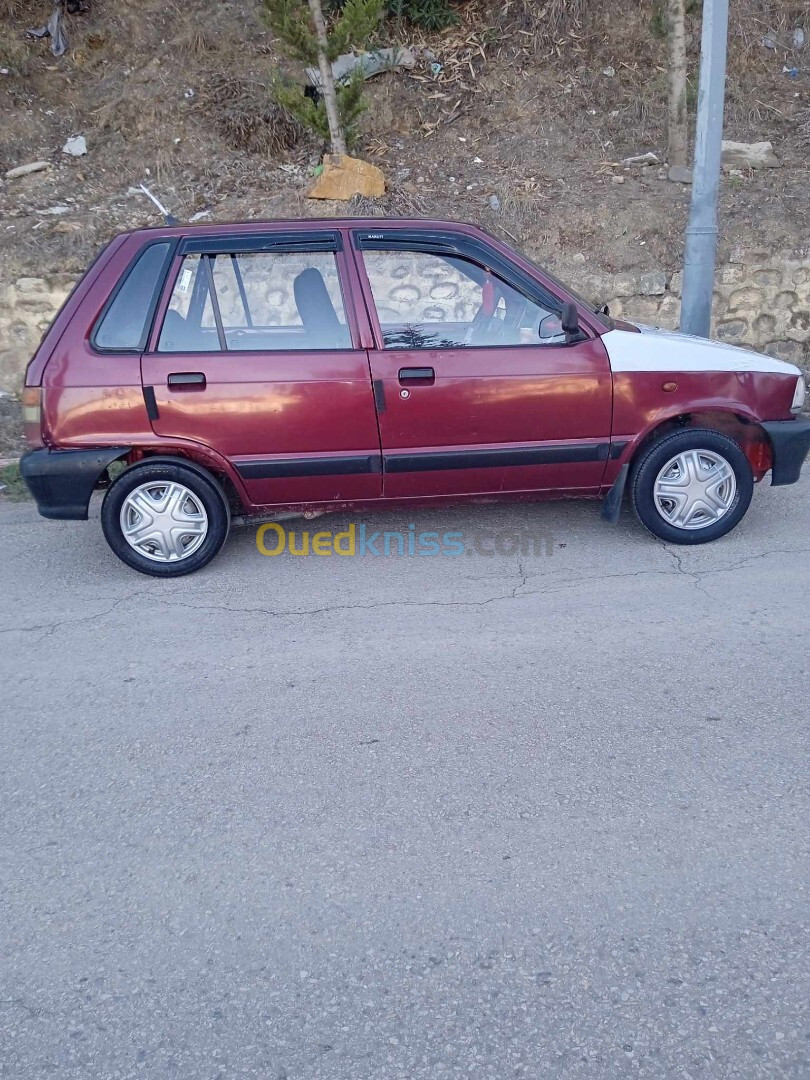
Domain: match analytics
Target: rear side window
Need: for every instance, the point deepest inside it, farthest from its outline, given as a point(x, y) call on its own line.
point(264, 301)
point(124, 324)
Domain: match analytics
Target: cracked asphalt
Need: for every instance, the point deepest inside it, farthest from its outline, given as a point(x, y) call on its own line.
point(376, 818)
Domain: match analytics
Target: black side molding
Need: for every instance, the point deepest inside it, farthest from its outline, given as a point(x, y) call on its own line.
point(62, 481)
point(790, 441)
point(493, 459)
point(344, 465)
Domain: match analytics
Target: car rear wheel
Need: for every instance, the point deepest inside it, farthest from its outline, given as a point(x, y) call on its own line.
point(692, 487)
point(165, 518)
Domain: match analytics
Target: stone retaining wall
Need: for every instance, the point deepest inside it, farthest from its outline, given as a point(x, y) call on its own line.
point(761, 300)
point(27, 306)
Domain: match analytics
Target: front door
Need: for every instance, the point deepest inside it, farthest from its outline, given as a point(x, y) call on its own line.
point(477, 388)
point(255, 358)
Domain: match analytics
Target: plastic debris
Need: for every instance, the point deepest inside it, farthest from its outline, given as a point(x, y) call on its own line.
point(494, 202)
point(170, 218)
point(609, 71)
point(54, 30)
point(798, 38)
point(771, 40)
point(76, 146)
point(643, 159)
point(370, 64)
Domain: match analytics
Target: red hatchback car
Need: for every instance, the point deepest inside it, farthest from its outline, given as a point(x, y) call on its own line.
point(240, 370)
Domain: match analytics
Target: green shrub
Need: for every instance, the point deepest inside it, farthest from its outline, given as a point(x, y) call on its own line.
point(310, 111)
point(431, 14)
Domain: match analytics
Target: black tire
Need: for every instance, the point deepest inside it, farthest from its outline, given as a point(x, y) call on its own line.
point(203, 487)
point(653, 460)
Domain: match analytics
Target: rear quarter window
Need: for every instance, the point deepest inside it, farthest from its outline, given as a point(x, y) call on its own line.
point(124, 323)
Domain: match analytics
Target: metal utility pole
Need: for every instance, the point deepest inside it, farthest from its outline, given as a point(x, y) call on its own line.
point(701, 233)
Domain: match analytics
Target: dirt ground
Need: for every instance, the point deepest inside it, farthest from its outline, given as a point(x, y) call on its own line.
point(177, 96)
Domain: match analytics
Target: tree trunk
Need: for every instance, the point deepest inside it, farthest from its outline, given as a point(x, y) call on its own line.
point(677, 136)
point(336, 136)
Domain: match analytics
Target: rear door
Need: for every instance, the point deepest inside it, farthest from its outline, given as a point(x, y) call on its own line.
point(479, 391)
point(254, 356)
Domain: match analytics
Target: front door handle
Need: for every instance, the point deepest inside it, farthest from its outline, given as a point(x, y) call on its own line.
point(180, 379)
point(417, 375)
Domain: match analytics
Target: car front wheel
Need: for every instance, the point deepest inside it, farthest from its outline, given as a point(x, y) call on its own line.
point(692, 487)
point(165, 518)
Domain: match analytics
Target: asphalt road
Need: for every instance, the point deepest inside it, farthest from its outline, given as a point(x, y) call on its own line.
point(375, 818)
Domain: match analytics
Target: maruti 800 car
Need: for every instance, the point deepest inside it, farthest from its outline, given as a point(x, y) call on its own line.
point(241, 370)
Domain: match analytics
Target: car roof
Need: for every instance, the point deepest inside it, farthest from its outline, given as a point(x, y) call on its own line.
point(307, 225)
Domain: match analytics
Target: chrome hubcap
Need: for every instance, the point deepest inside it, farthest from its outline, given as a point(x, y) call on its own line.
point(163, 521)
point(695, 489)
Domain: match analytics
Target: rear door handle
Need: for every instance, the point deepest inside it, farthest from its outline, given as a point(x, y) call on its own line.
point(179, 379)
point(417, 374)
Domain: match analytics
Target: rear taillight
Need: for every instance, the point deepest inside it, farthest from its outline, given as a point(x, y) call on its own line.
point(32, 415)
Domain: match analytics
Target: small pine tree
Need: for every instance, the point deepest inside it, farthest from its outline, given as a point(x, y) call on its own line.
point(302, 28)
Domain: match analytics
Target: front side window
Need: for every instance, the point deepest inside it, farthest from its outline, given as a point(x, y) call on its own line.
point(431, 301)
point(125, 323)
point(261, 301)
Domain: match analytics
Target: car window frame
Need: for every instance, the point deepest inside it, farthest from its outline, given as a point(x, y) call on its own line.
point(470, 249)
point(235, 244)
point(154, 300)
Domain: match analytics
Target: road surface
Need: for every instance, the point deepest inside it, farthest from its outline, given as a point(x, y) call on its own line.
point(367, 818)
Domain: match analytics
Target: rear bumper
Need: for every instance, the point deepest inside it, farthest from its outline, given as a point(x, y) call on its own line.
point(790, 442)
point(62, 481)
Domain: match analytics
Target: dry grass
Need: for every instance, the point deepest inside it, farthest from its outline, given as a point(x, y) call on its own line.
point(195, 39)
point(15, 56)
point(16, 9)
point(550, 21)
point(247, 117)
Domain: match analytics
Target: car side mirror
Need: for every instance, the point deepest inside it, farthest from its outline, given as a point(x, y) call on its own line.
point(550, 327)
point(570, 320)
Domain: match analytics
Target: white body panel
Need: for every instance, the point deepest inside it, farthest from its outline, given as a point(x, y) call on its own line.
point(666, 350)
